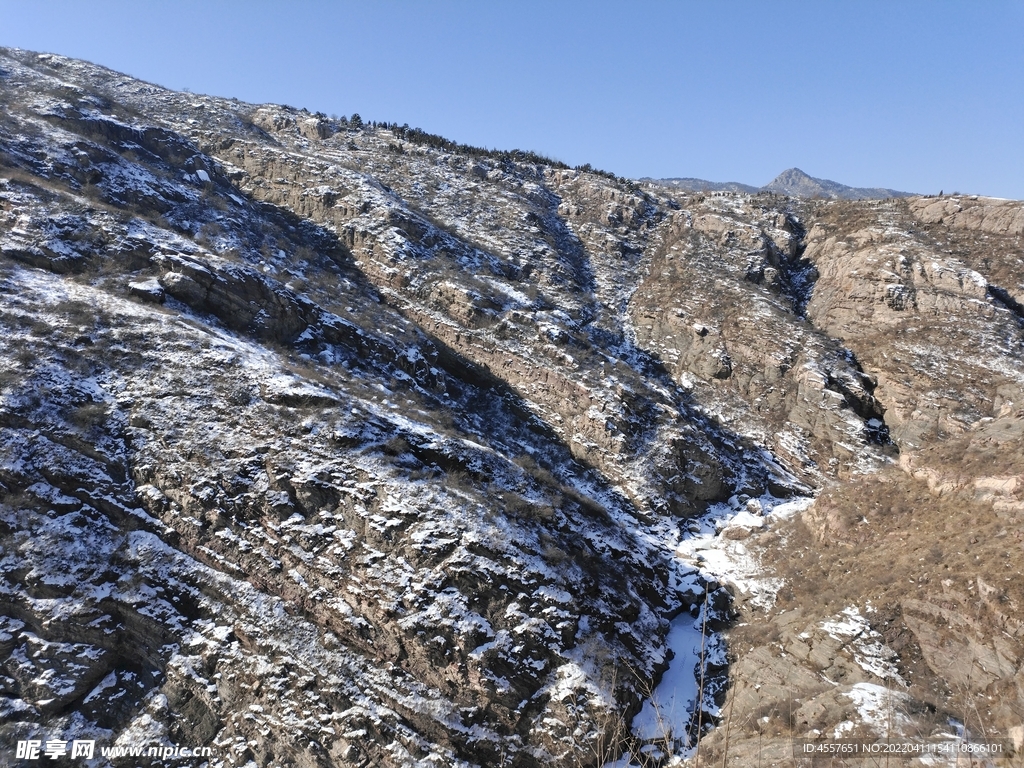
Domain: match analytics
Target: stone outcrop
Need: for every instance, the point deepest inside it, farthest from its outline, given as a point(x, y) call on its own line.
point(973, 213)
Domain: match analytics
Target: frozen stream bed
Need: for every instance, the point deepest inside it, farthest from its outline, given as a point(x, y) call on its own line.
point(704, 546)
point(667, 714)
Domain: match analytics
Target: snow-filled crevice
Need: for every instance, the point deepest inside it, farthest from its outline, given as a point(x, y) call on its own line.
point(858, 392)
point(798, 274)
point(685, 702)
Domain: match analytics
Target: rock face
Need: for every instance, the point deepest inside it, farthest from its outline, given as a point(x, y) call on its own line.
point(324, 443)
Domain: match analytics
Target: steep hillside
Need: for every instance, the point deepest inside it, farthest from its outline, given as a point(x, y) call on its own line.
point(326, 443)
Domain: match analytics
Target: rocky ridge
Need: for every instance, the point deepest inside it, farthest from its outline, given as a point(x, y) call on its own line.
point(792, 183)
point(340, 430)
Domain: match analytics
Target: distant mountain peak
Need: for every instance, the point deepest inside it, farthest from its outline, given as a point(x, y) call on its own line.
point(793, 182)
point(794, 174)
point(797, 183)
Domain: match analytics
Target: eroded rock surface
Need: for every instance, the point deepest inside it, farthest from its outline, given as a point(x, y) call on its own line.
point(325, 443)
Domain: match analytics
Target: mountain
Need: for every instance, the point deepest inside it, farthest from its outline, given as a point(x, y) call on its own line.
point(794, 183)
point(335, 443)
point(700, 185)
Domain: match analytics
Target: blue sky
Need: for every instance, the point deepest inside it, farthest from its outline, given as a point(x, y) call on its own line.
point(914, 95)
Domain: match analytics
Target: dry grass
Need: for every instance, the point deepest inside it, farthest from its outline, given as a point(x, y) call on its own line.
point(886, 540)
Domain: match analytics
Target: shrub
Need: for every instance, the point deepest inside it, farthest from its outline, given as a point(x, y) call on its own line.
point(90, 415)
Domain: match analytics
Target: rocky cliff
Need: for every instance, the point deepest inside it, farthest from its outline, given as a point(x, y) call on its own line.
point(326, 443)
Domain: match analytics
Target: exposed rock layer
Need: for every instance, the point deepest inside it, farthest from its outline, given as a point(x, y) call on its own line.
point(333, 444)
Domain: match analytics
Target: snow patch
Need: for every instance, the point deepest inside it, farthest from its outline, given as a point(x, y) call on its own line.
point(667, 713)
point(878, 708)
point(729, 561)
point(865, 644)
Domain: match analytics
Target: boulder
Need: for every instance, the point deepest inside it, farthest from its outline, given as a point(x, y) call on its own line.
point(147, 290)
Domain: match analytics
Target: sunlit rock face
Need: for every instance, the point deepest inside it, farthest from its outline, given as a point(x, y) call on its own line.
point(329, 443)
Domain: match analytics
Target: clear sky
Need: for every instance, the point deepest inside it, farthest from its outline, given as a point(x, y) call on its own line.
point(917, 95)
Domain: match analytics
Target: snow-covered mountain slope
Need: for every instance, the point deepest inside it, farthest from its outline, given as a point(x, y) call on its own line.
point(327, 443)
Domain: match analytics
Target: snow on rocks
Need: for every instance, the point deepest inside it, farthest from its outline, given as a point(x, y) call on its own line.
point(714, 544)
point(879, 708)
point(869, 652)
point(147, 290)
point(404, 451)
